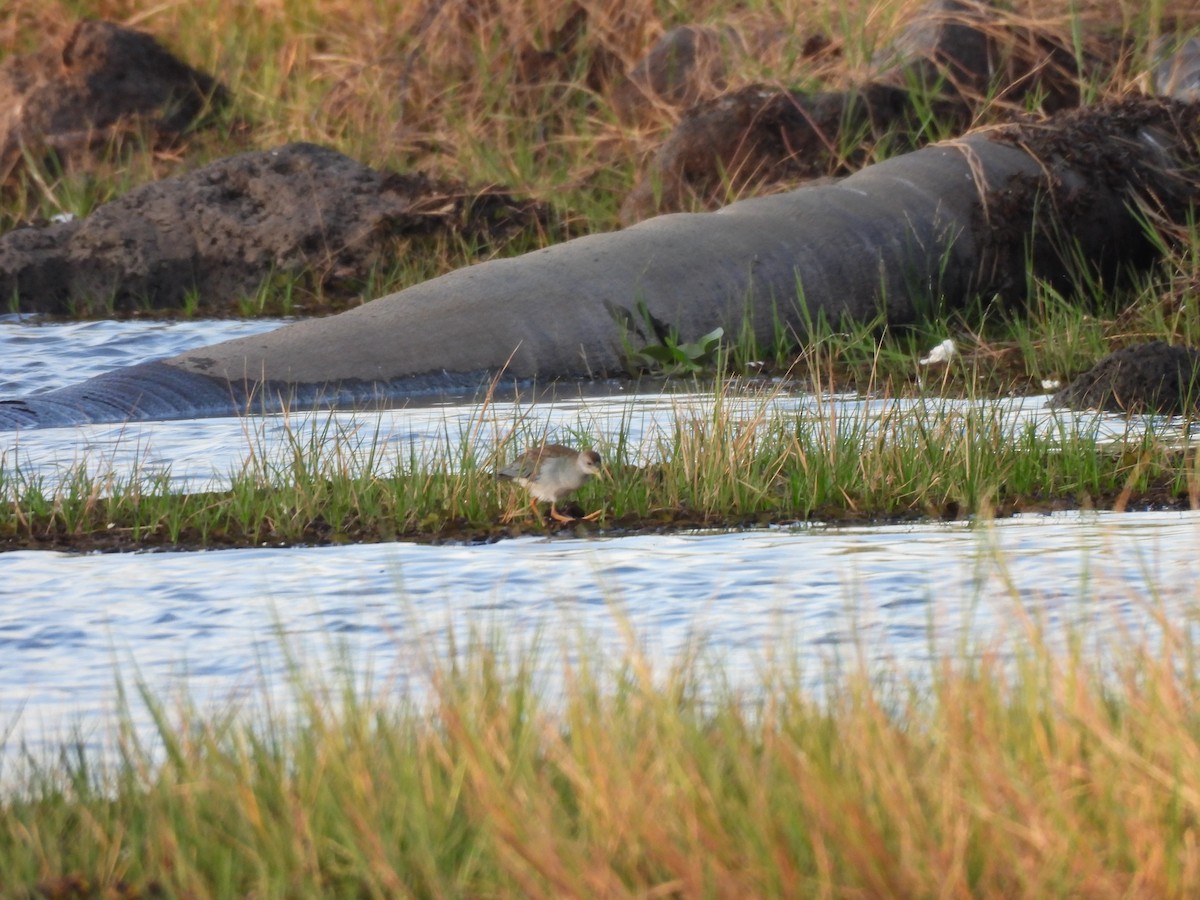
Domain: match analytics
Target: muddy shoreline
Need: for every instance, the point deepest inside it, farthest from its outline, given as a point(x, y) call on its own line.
point(1159, 497)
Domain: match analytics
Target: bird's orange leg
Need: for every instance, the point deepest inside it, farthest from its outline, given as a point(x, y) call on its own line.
point(593, 516)
point(537, 513)
point(559, 517)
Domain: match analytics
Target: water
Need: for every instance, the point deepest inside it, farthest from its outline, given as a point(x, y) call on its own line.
point(43, 357)
point(221, 625)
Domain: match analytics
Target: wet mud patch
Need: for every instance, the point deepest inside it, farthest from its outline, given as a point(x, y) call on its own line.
point(1162, 492)
point(1103, 172)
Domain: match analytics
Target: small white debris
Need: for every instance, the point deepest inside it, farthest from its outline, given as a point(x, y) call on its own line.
point(60, 218)
point(943, 352)
point(1051, 384)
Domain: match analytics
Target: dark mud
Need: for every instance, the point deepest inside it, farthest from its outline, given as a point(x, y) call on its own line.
point(317, 222)
point(1096, 164)
point(1163, 493)
point(78, 99)
point(1145, 378)
point(966, 55)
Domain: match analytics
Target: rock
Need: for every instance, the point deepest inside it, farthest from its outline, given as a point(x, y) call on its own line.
point(214, 235)
point(105, 80)
point(971, 51)
point(753, 137)
point(948, 35)
point(1146, 378)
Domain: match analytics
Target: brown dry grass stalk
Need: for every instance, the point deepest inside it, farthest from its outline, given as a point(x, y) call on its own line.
point(436, 83)
point(1038, 783)
point(1007, 769)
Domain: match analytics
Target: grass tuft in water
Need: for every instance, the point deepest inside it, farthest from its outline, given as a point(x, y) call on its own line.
point(731, 457)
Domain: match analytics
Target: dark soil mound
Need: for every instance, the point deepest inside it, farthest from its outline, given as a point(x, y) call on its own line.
point(758, 136)
point(685, 65)
point(1146, 378)
point(966, 52)
point(215, 235)
point(104, 80)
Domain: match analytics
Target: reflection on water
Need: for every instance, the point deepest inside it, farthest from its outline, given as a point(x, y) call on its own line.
point(70, 623)
point(40, 357)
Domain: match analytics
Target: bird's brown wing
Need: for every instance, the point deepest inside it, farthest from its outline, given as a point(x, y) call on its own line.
point(522, 466)
point(525, 464)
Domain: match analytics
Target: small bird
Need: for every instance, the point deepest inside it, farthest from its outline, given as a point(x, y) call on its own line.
point(551, 472)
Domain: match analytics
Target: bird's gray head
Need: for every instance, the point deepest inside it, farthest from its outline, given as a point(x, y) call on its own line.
point(589, 462)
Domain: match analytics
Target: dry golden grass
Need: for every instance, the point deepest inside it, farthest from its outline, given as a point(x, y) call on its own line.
point(495, 90)
point(524, 94)
point(987, 775)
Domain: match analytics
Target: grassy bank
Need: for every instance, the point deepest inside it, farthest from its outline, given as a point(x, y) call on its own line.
point(984, 776)
point(732, 459)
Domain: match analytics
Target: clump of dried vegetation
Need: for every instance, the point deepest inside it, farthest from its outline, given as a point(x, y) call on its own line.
point(1005, 773)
